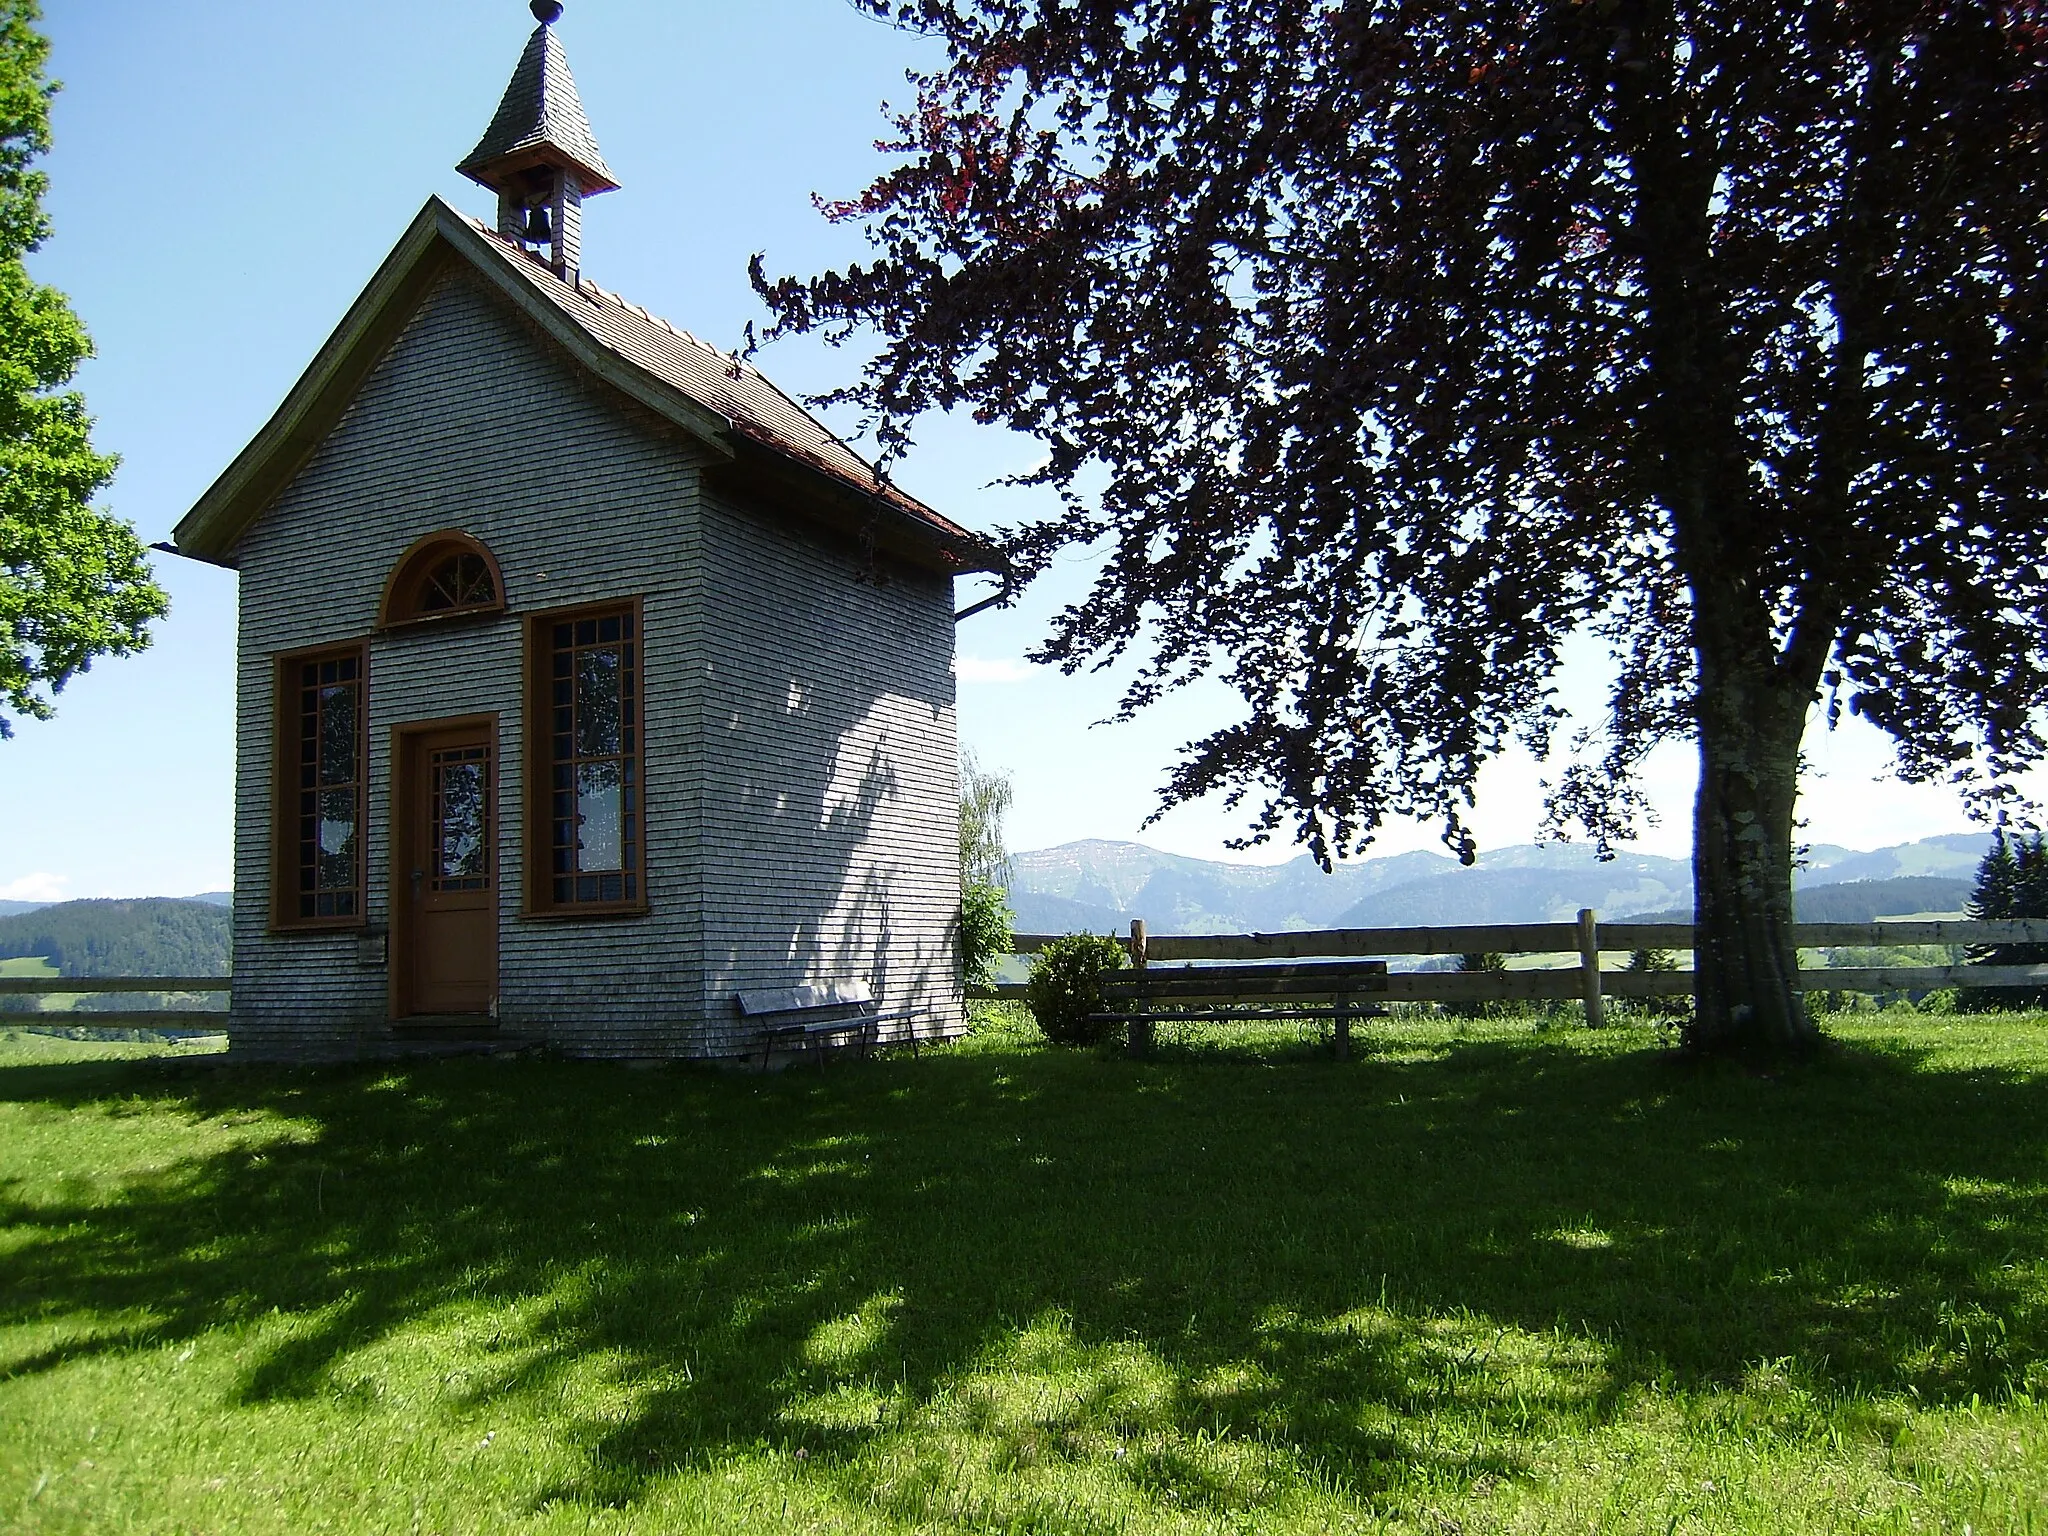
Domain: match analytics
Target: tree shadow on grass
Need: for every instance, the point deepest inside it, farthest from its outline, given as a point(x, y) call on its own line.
point(953, 1285)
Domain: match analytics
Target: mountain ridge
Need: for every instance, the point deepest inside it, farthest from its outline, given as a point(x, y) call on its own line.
point(1100, 885)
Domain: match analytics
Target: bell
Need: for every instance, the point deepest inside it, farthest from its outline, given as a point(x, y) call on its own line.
point(538, 231)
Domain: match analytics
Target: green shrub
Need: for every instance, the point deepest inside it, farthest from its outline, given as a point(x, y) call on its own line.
point(986, 933)
point(1066, 987)
point(1829, 1001)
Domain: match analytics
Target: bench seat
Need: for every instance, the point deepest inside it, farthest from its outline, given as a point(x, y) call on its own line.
point(1340, 991)
point(813, 1016)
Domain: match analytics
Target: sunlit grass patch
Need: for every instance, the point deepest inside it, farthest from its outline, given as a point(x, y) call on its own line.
point(21, 1045)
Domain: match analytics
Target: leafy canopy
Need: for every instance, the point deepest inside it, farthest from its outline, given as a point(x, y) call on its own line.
point(74, 582)
point(1403, 340)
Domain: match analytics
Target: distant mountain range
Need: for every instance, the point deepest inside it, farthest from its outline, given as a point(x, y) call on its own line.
point(1100, 886)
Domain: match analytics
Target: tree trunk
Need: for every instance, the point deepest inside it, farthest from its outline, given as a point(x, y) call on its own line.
point(1747, 987)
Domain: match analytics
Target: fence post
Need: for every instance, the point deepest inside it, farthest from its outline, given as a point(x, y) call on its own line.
point(1589, 968)
point(1138, 1031)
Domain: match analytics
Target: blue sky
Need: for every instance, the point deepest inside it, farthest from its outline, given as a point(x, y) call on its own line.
point(227, 176)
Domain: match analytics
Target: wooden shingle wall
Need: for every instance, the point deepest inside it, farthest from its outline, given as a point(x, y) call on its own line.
point(802, 799)
point(831, 799)
point(468, 422)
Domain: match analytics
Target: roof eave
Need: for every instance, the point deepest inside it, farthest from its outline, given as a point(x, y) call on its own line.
point(281, 448)
point(837, 502)
point(218, 519)
point(493, 173)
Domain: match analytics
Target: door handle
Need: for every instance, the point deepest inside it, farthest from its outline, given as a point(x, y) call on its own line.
point(417, 876)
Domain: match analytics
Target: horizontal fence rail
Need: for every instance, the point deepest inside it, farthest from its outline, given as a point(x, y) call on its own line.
point(16, 985)
point(130, 1018)
point(1586, 940)
point(1546, 939)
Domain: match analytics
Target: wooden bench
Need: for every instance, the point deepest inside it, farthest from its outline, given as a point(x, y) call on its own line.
point(811, 1017)
point(1289, 990)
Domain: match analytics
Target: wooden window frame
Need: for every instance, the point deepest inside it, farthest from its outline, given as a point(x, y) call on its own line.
point(286, 717)
point(396, 608)
point(537, 841)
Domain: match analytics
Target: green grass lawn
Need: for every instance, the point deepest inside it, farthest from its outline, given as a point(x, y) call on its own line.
point(1479, 1279)
point(21, 1047)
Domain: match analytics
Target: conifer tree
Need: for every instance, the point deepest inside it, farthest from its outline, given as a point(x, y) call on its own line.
point(2012, 882)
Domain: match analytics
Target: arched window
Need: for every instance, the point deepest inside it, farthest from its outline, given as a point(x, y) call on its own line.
point(444, 576)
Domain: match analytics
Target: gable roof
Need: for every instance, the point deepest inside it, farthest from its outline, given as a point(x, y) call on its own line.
point(723, 402)
point(540, 120)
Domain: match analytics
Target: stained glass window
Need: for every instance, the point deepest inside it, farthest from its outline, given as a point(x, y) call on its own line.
point(462, 819)
point(322, 760)
point(587, 700)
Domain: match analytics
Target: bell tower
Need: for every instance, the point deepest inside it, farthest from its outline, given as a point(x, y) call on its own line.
point(539, 155)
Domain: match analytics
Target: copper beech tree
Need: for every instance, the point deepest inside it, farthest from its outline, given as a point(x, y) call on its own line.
point(1383, 346)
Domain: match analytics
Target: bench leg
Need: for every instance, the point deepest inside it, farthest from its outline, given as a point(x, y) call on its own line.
point(1343, 1041)
point(1138, 1037)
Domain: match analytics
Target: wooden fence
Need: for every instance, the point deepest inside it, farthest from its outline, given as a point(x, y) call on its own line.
point(1587, 941)
point(134, 1018)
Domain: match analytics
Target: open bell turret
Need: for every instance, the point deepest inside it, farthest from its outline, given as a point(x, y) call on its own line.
point(539, 154)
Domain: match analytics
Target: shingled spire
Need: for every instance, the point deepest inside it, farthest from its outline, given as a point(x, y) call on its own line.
point(539, 154)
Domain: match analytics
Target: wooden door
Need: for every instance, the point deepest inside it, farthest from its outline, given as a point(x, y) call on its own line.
point(448, 894)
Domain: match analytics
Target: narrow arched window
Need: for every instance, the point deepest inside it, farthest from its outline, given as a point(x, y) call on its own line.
point(443, 576)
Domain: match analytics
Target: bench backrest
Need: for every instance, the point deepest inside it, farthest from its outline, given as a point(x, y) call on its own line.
point(824, 994)
point(1296, 978)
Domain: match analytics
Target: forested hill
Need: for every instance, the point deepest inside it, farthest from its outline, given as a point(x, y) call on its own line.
point(156, 936)
point(1854, 901)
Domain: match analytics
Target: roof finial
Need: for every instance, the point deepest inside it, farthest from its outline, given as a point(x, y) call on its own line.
point(546, 12)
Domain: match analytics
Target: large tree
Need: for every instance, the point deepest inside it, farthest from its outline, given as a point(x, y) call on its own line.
point(1381, 346)
point(74, 581)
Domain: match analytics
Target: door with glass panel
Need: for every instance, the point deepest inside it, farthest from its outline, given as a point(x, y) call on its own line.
point(446, 904)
